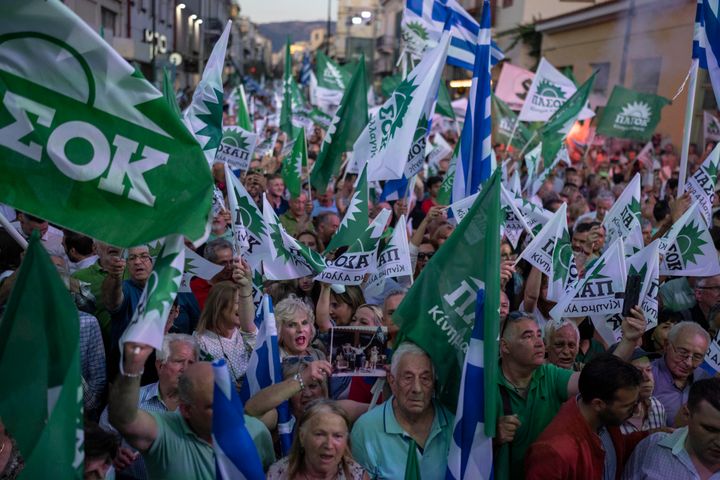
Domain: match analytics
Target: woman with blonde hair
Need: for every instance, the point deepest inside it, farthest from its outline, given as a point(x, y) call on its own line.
point(321, 448)
point(226, 328)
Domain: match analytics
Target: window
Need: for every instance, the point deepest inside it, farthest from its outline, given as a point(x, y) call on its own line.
point(646, 74)
point(507, 3)
point(107, 20)
point(602, 77)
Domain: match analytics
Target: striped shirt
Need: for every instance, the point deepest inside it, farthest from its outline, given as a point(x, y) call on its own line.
point(92, 364)
point(654, 418)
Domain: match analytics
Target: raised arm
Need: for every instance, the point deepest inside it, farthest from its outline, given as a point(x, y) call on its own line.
point(322, 309)
point(242, 275)
point(135, 425)
point(111, 289)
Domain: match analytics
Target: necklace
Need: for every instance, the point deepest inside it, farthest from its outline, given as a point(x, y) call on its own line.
point(3, 445)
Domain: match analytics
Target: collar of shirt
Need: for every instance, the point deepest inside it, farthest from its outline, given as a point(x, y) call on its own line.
point(391, 425)
point(537, 375)
point(676, 443)
point(667, 375)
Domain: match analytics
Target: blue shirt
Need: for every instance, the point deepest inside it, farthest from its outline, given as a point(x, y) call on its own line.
point(380, 444)
point(672, 397)
point(662, 456)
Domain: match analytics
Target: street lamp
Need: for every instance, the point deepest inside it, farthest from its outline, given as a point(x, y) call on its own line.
point(180, 6)
point(356, 20)
point(366, 14)
point(199, 21)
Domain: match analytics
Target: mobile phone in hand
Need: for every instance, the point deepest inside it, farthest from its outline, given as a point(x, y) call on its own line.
point(632, 293)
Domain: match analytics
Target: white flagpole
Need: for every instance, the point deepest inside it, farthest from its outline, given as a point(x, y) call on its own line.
point(528, 143)
point(512, 136)
point(688, 124)
point(12, 232)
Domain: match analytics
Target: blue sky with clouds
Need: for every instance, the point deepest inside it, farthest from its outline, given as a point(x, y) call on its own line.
point(264, 11)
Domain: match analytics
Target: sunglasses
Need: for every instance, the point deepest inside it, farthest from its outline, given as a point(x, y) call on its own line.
point(425, 256)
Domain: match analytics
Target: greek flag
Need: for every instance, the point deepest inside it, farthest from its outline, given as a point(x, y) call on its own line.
point(306, 69)
point(431, 15)
point(475, 162)
point(395, 189)
point(236, 456)
point(264, 368)
point(706, 41)
point(471, 453)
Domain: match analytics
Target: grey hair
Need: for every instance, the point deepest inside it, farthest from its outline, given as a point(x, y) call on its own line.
point(516, 317)
point(644, 222)
point(395, 292)
point(212, 248)
point(606, 195)
point(679, 328)
point(286, 309)
point(407, 348)
point(552, 326)
point(164, 353)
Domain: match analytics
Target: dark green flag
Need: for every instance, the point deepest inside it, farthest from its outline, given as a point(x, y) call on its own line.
point(630, 114)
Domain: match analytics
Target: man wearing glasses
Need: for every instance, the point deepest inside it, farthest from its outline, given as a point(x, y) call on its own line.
point(676, 371)
point(707, 295)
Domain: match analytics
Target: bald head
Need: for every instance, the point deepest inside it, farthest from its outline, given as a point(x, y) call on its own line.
point(195, 389)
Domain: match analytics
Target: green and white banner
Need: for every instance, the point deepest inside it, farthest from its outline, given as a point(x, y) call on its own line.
point(624, 215)
point(600, 291)
point(630, 114)
point(688, 247)
point(701, 184)
point(711, 127)
point(549, 90)
point(85, 141)
point(293, 164)
point(249, 218)
point(236, 148)
point(331, 80)
point(196, 266)
point(645, 264)
point(388, 136)
point(394, 259)
point(351, 267)
point(532, 162)
point(445, 194)
point(356, 217)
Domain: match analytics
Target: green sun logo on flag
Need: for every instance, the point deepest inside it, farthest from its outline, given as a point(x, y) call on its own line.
point(711, 171)
point(278, 244)
point(642, 272)
point(235, 139)
point(391, 117)
point(417, 29)
point(597, 267)
point(562, 257)
point(212, 121)
point(689, 242)
point(548, 89)
point(634, 207)
point(250, 217)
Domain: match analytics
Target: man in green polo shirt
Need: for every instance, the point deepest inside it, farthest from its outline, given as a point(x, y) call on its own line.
point(174, 445)
point(409, 423)
point(94, 275)
point(532, 391)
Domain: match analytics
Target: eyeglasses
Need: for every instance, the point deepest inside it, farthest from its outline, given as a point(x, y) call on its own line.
point(695, 358)
point(425, 256)
point(710, 287)
point(144, 257)
point(295, 359)
point(508, 256)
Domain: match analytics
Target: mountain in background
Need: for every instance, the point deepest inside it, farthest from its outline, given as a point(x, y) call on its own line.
point(278, 32)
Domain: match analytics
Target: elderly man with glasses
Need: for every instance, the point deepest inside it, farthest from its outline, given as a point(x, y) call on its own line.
point(676, 371)
point(707, 295)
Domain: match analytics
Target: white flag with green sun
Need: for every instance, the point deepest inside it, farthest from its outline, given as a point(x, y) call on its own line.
point(701, 184)
point(205, 113)
point(251, 218)
point(361, 258)
point(645, 264)
point(688, 247)
point(148, 321)
point(624, 216)
point(356, 218)
point(196, 266)
point(288, 258)
point(236, 147)
point(600, 291)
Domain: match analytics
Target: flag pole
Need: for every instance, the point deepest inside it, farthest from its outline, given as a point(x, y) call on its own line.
point(512, 136)
point(12, 232)
point(689, 107)
point(528, 143)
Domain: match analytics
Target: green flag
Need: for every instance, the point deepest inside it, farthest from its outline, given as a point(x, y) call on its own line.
point(389, 84)
point(631, 114)
point(504, 121)
point(356, 217)
point(286, 110)
point(292, 167)
point(41, 403)
point(243, 114)
point(347, 124)
point(86, 142)
point(412, 467)
point(329, 74)
point(554, 132)
point(321, 118)
point(444, 196)
point(444, 102)
point(169, 92)
point(439, 310)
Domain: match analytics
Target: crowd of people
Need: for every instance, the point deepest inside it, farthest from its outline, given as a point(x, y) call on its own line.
point(570, 405)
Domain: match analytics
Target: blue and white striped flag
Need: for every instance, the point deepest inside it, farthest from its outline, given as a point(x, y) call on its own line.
point(471, 452)
point(265, 369)
point(422, 25)
point(706, 41)
point(306, 69)
point(475, 162)
point(236, 456)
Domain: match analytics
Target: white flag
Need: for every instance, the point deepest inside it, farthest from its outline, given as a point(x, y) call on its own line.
point(394, 259)
point(388, 136)
point(701, 184)
point(600, 291)
point(711, 127)
point(689, 248)
point(624, 215)
point(548, 91)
